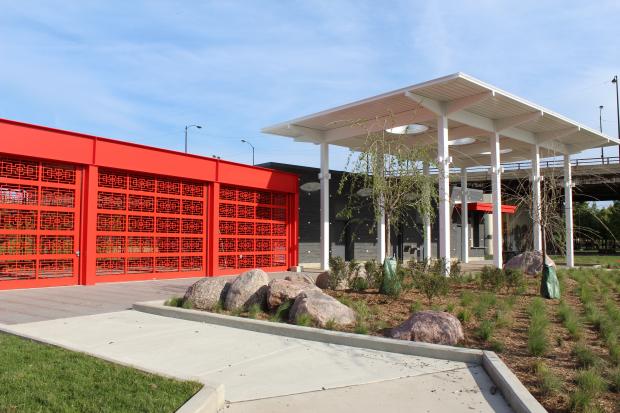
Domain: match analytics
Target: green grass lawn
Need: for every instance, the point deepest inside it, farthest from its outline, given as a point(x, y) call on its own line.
point(40, 378)
point(605, 261)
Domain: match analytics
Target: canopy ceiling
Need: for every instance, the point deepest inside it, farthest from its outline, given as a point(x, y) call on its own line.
point(474, 109)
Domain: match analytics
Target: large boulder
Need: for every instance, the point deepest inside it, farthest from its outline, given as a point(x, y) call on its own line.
point(281, 291)
point(322, 281)
point(207, 293)
point(530, 262)
point(300, 278)
point(249, 288)
point(321, 308)
point(430, 327)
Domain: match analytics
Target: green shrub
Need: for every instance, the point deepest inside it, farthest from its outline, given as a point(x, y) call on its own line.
point(485, 302)
point(415, 307)
point(374, 273)
point(361, 328)
point(614, 380)
point(467, 298)
point(331, 324)
point(584, 356)
point(282, 311)
point(464, 315)
point(614, 353)
point(492, 278)
point(254, 310)
point(537, 340)
point(174, 302)
point(514, 280)
point(456, 275)
point(547, 381)
point(449, 307)
point(303, 320)
point(485, 330)
point(359, 284)
point(591, 382)
point(341, 271)
point(570, 320)
point(433, 282)
point(581, 401)
point(497, 346)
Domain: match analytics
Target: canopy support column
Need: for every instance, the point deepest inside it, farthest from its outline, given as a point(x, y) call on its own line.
point(443, 160)
point(496, 184)
point(464, 218)
point(324, 179)
point(537, 234)
point(427, 223)
point(381, 237)
point(568, 212)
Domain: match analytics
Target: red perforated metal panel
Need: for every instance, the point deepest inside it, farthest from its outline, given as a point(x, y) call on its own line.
point(149, 225)
point(252, 229)
point(39, 223)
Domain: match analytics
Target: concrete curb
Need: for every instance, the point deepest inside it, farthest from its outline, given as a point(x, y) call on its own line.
point(413, 348)
point(209, 399)
point(515, 393)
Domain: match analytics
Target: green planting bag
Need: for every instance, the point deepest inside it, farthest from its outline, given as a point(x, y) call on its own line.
point(391, 282)
point(549, 285)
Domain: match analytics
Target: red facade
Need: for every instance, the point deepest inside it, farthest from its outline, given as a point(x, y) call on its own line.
point(79, 209)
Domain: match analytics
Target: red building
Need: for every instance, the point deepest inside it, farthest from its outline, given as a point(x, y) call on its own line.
point(80, 209)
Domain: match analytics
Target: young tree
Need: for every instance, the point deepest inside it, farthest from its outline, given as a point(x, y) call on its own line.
point(385, 174)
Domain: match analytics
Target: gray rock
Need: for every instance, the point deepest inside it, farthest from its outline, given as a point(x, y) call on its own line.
point(430, 327)
point(303, 278)
point(247, 289)
point(530, 262)
point(321, 308)
point(322, 281)
point(205, 294)
point(285, 290)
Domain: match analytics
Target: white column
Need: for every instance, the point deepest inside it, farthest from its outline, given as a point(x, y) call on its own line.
point(568, 212)
point(464, 218)
point(427, 223)
point(444, 187)
point(537, 234)
point(381, 238)
point(324, 178)
point(496, 184)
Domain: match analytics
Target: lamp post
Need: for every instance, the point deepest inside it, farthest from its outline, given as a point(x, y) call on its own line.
point(186, 128)
point(244, 141)
point(615, 80)
point(600, 123)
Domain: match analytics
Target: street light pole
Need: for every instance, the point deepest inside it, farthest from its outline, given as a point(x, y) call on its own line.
point(186, 128)
point(600, 123)
point(615, 80)
point(244, 141)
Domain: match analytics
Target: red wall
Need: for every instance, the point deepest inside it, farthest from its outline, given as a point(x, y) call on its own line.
point(32, 141)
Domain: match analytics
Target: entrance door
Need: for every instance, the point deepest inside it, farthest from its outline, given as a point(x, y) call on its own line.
point(39, 223)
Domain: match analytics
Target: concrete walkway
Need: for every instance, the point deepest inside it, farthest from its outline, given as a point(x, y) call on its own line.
point(268, 373)
point(38, 304)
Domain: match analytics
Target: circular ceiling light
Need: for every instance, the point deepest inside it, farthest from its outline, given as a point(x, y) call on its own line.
point(310, 186)
point(461, 141)
point(411, 129)
point(501, 151)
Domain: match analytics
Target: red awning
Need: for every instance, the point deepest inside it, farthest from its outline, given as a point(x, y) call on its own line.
point(487, 207)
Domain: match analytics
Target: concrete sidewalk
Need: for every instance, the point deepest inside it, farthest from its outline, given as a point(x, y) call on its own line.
point(268, 373)
point(38, 304)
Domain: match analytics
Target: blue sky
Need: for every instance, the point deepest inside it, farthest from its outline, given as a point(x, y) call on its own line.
point(141, 70)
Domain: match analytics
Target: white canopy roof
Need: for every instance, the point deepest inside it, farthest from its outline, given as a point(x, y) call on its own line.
point(474, 109)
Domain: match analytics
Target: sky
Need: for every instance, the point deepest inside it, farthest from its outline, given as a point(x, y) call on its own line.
point(142, 70)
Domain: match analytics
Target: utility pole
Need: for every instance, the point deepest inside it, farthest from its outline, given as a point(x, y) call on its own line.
point(244, 141)
point(186, 128)
point(615, 80)
point(600, 122)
